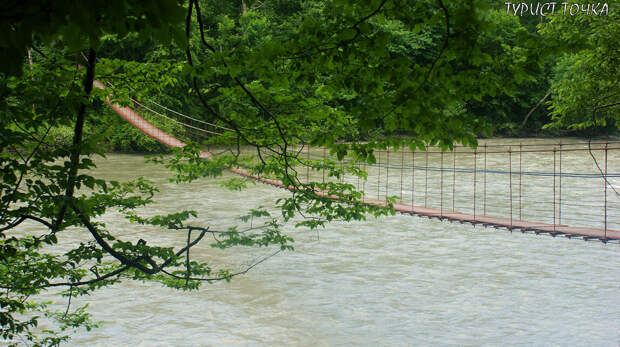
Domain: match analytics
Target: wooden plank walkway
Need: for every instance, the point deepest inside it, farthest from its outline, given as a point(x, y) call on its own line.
point(511, 224)
point(486, 221)
point(497, 222)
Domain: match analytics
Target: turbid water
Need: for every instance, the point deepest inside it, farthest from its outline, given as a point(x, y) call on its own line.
point(395, 280)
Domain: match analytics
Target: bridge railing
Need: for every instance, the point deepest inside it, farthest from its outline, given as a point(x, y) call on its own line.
point(564, 183)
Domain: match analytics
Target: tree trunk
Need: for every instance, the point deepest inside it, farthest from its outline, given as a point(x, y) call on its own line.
point(78, 131)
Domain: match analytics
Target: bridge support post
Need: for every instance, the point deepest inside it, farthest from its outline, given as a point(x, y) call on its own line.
point(308, 164)
point(426, 179)
point(520, 175)
point(453, 177)
point(605, 192)
point(357, 186)
point(510, 182)
point(364, 181)
point(387, 172)
point(324, 157)
point(402, 168)
point(554, 197)
point(441, 186)
point(378, 173)
point(475, 167)
point(560, 188)
point(484, 195)
point(412, 179)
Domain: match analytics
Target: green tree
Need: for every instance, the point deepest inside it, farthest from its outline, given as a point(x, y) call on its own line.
point(511, 45)
point(280, 74)
point(50, 185)
point(586, 80)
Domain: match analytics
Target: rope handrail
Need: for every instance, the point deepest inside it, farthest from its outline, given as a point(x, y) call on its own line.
point(477, 151)
point(188, 117)
point(471, 171)
point(546, 144)
point(172, 119)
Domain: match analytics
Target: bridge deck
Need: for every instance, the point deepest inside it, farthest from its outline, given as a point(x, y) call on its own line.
point(514, 224)
point(486, 221)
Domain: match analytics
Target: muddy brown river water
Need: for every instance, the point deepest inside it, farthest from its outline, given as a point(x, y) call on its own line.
point(392, 281)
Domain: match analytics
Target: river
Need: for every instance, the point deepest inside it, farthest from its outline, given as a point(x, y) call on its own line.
point(395, 281)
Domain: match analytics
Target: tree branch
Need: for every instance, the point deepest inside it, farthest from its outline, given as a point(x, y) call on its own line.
point(534, 109)
point(226, 277)
point(120, 257)
point(77, 139)
point(608, 105)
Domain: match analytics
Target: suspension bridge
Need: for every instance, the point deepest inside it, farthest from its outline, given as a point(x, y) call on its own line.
point(560, 189)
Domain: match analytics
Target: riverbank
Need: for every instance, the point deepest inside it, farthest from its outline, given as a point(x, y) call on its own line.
point(122, 138)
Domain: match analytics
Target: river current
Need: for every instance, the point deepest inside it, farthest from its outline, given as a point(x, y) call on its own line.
point(394, 281)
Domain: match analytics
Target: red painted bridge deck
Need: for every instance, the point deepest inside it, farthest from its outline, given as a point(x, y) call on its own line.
point(511, 224)
point(487, 221)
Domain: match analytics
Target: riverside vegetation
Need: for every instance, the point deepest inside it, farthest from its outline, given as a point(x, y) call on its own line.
point(351, 76)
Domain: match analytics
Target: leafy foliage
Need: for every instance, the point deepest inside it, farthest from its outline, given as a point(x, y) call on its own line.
point(348, 75)
point(82, 24)
point(515, 50)
point(586, 83)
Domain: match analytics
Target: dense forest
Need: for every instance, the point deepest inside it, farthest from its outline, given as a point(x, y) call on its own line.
point(347, 75)
point(553, 73)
